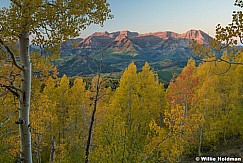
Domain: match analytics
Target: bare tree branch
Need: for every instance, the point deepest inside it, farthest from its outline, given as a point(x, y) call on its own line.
point(97, 90)
point(237, 63)
point(7, 119)
point(11, 82)
point(12, 89)
point(167, 136)
point(11, 54)
point(11, 132)
point(219, 48)
point(221, 73)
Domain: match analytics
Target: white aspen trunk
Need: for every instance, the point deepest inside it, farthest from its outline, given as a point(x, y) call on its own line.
point(24, 102)
point(53, 149)
point(200, 140)
point(184, 116)
point(182, 123)
point(202, 129)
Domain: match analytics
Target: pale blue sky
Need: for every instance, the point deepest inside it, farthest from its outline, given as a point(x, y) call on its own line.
point(164, 15)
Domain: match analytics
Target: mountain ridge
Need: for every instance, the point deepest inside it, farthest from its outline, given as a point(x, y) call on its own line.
point(163, 50)
point(102, 39)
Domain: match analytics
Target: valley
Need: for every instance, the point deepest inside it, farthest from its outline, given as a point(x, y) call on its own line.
point(110, 53)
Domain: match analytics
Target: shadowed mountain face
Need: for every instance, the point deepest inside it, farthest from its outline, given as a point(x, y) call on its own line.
point(117, 49)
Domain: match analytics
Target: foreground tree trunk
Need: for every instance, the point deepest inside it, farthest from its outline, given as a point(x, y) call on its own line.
point(24, 100)
point(97, 89)
point(50, 23)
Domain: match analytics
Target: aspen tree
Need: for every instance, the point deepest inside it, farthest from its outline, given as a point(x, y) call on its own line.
point(48, 23)
point(136, 102)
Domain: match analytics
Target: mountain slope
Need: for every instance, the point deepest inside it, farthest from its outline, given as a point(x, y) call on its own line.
point(118, 49)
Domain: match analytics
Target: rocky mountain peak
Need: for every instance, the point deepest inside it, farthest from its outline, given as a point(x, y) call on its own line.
point(101, 34)
point(167, 34)
point(162, 49)
point(128, 34)
point(197, 35)
point(148, 40)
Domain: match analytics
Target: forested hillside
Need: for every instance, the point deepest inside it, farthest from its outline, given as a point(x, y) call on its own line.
point(166, 52)
point(140, 121)
point(49, 116)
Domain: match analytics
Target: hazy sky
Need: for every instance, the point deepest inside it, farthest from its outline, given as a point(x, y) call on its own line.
point(164, 15)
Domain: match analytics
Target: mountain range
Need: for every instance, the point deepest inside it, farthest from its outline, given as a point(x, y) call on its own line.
point(163, 50)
